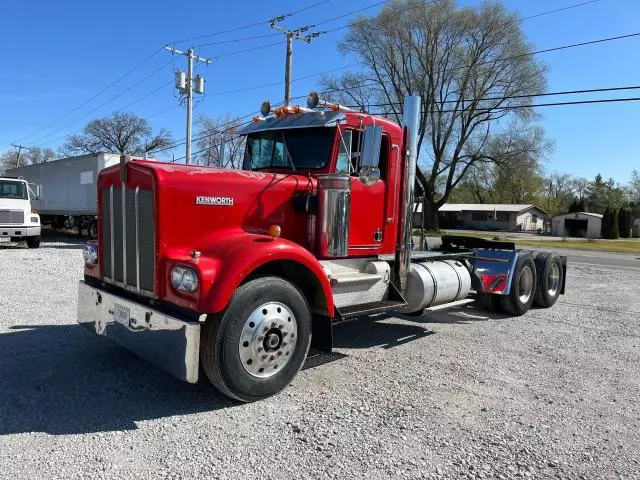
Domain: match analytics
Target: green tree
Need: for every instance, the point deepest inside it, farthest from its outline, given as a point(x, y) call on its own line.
point(467, 65)
point(624, 222)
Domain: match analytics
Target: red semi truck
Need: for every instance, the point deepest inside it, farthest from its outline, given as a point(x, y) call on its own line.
point(242, 271)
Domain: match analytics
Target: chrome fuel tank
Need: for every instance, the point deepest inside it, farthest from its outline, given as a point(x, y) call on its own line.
point(435, 283)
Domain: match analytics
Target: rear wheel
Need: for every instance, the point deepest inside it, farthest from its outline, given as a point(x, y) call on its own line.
point(489, 301)
point(258, 345)
point(523, 288)
point(33, 242)
point(550, 277)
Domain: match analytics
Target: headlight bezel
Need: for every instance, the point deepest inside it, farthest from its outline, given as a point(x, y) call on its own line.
point(184, 278)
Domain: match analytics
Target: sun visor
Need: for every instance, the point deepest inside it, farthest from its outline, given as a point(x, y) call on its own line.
point(308, 119)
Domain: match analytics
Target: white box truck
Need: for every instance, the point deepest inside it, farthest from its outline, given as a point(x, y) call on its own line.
point(68, 197)
point(18, 221)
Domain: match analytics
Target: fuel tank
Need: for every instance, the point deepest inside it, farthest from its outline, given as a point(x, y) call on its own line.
point(435, 283)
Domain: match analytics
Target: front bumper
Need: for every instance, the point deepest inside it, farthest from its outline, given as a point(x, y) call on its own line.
point(168, 342)
point(19, 231)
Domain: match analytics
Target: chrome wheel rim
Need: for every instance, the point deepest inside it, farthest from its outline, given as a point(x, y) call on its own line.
point(525, 284)
point(553, 281)
point(268, 339)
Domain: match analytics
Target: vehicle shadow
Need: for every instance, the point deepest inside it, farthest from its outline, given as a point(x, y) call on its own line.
point(62, 379)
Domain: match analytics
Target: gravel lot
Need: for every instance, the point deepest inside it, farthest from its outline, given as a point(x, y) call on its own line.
point(457, 394)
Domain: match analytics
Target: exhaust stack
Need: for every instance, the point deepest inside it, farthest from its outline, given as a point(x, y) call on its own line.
point(410, 121)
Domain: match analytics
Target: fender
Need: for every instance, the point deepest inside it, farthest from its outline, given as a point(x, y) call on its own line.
point(231, 256)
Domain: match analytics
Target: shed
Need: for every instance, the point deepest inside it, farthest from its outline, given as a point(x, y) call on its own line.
point(492, 216)
point(578, 224)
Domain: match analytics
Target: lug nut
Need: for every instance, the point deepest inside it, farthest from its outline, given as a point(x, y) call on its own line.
point(264, 357)
point(284, 334)
point(279, 353)
point(259, 349)
point(260, 338)
point(273, 324)
point(272, 357)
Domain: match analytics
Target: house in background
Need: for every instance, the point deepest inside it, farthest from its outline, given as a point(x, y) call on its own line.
point(506, 217)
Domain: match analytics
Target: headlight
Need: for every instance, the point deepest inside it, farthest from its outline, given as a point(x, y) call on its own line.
point(90, 253)
point(34, 219)
point(184, 278)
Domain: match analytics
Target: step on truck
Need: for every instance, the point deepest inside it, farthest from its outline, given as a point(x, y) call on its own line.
point(240, 272)
point(18, 221)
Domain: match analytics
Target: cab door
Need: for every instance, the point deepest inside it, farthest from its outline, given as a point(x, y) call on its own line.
point(368, 201)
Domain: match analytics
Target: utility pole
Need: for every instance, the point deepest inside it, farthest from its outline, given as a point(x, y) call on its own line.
point(185, 84)
point(291, 34)
point(20, 148)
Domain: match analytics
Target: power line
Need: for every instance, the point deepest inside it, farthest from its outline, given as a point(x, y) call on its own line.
point(236, 40)
point(40, 141)
point(513, 97)
point(251, 25)
point(535, 105)
point(76, 108)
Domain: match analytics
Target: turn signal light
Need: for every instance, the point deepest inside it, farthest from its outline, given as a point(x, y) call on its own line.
point(275, 231)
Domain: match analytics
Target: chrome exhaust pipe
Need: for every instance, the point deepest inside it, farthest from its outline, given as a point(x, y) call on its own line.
point(410, 122)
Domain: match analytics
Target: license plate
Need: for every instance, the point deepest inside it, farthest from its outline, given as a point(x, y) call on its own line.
point(121, 314)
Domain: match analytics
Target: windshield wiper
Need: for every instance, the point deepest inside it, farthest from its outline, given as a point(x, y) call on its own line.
point(286, 151)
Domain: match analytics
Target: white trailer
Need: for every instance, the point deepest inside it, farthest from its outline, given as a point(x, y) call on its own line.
point(67, 189)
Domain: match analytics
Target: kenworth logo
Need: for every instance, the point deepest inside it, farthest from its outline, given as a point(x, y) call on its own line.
point(223, 201)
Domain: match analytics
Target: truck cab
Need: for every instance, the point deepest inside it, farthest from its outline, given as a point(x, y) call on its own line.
point(18, 221)
point(241, 272)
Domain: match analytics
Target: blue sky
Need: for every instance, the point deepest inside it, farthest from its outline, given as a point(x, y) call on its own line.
point(58, 54)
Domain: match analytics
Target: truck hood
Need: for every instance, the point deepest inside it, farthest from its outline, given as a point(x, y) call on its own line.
point(14, 204)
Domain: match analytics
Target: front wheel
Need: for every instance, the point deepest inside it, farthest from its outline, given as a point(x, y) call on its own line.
point(33, 242)
point(258, 345)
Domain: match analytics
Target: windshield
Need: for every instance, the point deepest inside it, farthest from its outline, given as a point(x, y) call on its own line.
point(304, 148)
point(13, 189)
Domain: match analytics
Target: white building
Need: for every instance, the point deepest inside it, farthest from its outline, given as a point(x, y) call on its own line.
point(635, 232)
point(578, 224)
point(492, 216)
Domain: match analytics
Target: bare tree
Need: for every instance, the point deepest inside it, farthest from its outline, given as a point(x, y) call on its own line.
point(119, 133)
point(219, 143)
point(473, 70)
point(30, 156)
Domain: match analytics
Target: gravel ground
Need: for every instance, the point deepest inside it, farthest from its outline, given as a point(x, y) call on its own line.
point(457, 394)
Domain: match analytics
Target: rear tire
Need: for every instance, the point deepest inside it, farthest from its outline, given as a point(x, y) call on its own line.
point(33, 242)
point(550, 277)
point(258, 345)
point(523, 288)
point(490, 301)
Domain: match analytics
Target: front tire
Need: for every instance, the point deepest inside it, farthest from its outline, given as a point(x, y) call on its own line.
point(523, 288)
point(258, 345)
point(33, 242)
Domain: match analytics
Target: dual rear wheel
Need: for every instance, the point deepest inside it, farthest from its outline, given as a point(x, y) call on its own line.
point(536, 281)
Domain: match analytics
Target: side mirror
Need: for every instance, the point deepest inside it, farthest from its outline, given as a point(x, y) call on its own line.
point(370, 158)
point(371, 147)
point(37, 193)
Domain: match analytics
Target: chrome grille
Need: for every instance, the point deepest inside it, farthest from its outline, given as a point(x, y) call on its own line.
point(128, 238)
point(12, 216)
